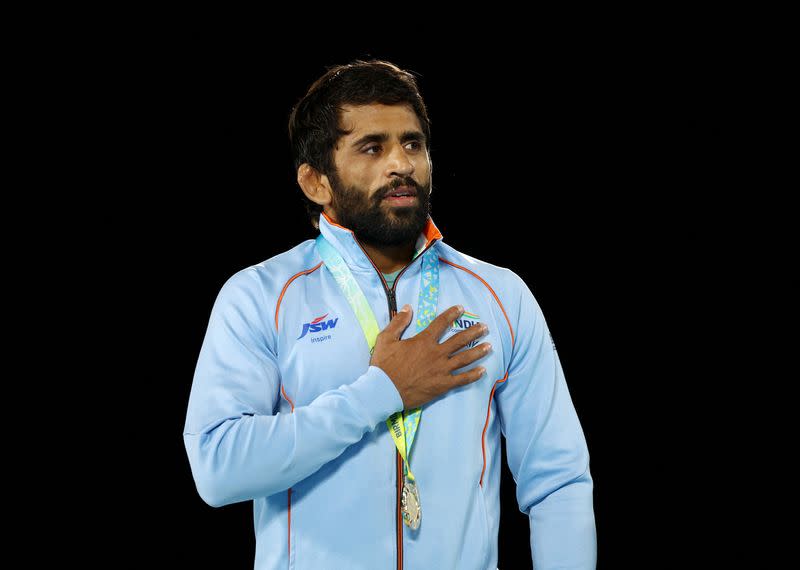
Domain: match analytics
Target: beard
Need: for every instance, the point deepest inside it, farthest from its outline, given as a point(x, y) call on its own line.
point(376, 223)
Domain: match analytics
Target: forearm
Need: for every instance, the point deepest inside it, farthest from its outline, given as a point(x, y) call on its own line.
point(563, 528)
point(255, 456)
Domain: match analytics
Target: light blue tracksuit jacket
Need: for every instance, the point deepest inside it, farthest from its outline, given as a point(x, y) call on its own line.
point(286, 411)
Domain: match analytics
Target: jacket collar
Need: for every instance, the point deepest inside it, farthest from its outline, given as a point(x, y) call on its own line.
point(346, 243)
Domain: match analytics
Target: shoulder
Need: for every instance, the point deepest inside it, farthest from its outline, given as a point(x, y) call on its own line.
point(250, 298)
point(501, 280)
point(509, 290)
point(273, 275)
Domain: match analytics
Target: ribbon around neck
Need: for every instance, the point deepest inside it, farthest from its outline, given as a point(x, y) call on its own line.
point(402, 425)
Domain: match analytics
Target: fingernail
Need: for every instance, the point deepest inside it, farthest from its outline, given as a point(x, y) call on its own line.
point(405, 308)
point(487, 347)
point(460, 310)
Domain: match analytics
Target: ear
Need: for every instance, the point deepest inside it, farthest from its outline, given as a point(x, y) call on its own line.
point(314, 185)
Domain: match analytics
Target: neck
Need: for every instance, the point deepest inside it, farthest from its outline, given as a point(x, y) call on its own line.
point(390, 258)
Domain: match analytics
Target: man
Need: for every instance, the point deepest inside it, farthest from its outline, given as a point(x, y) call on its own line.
point(368, 437)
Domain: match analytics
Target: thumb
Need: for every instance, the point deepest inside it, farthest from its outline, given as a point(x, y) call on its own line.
point(399, 323)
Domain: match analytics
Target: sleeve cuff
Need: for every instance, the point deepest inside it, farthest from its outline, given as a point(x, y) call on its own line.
point(375, 395)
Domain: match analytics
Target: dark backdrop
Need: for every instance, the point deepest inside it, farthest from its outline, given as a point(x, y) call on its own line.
point(584, 167)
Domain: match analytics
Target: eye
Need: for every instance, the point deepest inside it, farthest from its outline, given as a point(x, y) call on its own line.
point(370, 148)
point(413, 145)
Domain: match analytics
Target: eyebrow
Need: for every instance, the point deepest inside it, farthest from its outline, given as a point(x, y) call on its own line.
point(383, 137)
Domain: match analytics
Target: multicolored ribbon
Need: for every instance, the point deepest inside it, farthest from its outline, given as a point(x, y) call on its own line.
point(402, 425)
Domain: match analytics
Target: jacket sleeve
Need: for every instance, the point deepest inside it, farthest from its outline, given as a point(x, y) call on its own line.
point(545, 445)
point(238, 448)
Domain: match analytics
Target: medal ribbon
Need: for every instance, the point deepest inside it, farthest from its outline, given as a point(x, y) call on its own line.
point(402, 426)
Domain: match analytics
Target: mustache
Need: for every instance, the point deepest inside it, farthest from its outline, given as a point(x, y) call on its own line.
point(384, 191)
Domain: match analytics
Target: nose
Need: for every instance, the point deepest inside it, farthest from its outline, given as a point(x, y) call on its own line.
point(399, 163)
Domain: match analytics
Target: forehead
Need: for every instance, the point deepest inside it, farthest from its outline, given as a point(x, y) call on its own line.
point(360, 120)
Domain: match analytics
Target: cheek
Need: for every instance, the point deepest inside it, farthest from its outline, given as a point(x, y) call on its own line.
point(425, 164)
point(423, 171)
point(362, 176)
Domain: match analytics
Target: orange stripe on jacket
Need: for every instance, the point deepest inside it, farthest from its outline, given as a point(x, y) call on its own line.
point(504, 378)
point(291, 403)
point(486, 425)
point(489, 287)
point(289, 282)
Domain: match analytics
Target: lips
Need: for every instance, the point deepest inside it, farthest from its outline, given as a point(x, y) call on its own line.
point(402, 191)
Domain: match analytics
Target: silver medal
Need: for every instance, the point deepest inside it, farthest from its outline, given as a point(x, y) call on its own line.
point(412, 512)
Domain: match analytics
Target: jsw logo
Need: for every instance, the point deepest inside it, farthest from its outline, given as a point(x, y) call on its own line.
point(317, 325)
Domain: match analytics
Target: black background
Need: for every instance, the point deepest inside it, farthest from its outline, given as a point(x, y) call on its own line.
point(591, 168)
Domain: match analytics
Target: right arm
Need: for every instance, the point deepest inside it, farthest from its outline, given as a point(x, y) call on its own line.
point(238, 448)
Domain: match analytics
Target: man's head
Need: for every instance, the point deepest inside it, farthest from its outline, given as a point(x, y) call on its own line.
point(360, 134)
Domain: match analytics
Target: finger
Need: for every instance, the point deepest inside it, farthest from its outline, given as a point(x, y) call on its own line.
point(469, 376)
point(399, 323)
point(443, 321)
point(463, 338)
point(469, 356)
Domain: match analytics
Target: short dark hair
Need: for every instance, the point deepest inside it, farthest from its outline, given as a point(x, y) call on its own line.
point(314, 127)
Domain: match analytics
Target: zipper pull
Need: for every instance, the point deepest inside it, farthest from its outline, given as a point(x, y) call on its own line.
point(392, 302)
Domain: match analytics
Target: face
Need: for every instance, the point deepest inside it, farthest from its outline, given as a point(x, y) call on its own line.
point(383, 157)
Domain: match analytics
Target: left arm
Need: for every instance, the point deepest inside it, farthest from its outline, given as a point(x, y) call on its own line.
point(545, 445)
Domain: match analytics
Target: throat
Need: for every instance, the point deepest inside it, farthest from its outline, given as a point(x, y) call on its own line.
point(389, 259)
point(390, 278)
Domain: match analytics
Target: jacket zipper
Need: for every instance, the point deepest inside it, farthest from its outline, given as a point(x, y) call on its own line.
point(391, 298)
